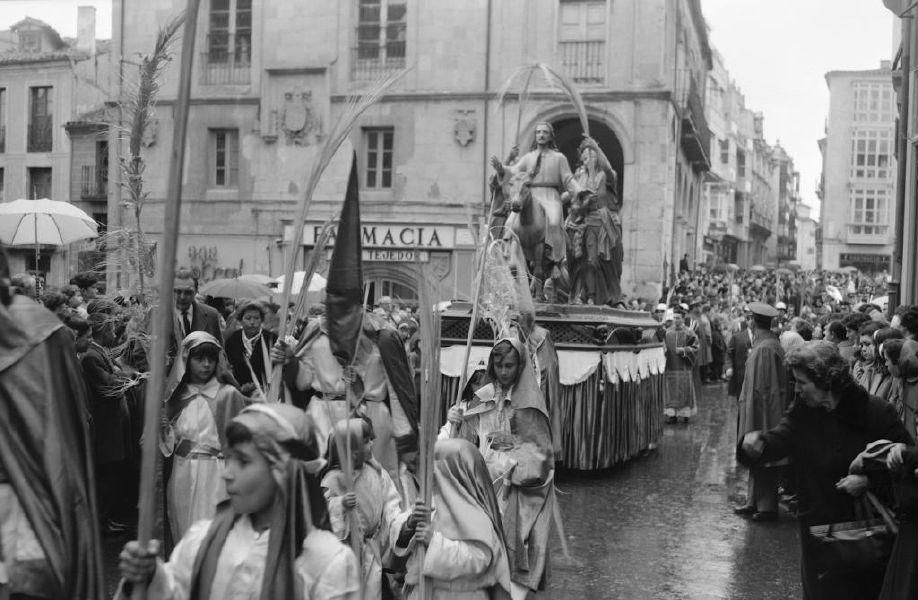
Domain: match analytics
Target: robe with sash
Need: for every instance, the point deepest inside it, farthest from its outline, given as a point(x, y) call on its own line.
point(512, 431)
point(679, 392)
point(378, 508)
point(194, 439)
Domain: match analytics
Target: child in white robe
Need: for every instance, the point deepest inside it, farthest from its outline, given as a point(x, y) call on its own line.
point(197, 414)
point(264, 543)
point(373, 507)
point(466, 555)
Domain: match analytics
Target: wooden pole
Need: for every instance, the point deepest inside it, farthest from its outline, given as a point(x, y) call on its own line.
point(463, 374)
point(165, 268)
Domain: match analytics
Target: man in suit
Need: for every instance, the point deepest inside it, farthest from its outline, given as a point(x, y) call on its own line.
point(737, 352)
point(191, 315)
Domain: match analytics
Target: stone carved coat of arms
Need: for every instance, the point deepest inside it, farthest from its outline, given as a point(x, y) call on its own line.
point(299, 120)
point(464, 127)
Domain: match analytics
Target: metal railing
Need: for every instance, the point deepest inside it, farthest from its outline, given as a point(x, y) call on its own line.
point(584, 62)
point(93, 182)
point(40, 134)
point(373, 62)
point(226, 65)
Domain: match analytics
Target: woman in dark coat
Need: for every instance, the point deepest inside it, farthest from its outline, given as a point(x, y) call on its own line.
point(823, 432)
point(248, 349)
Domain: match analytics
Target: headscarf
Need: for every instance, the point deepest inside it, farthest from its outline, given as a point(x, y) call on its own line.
point(177, 399)
point(466, 505)
point(285, 436)
point(526, 391)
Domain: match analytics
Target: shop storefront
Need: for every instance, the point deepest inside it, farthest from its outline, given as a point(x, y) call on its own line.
point(393, 254)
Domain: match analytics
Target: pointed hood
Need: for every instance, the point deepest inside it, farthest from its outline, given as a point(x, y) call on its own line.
point(344, 290)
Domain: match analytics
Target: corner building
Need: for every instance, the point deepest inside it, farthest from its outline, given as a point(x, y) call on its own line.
point(271, 77)
point(859, 172)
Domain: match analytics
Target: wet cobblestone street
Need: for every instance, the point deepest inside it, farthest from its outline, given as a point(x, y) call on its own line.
point(662, 526)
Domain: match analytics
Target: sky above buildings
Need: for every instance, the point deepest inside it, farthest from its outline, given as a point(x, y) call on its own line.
point(59, 14)
point(778, 53)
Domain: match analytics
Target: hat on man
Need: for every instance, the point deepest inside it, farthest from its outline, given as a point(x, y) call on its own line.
point(781, 306)
point(762, 313)
point(660, 308)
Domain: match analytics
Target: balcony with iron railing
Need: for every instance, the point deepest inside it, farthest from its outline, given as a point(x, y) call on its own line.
point(584, 61)
point(39, 134)
point(93, 182)
point(226, 60)
point(372, 61)
point(696, 137)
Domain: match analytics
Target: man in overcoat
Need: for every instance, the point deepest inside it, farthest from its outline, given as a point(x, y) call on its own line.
point(762, 402)
point(737, 352)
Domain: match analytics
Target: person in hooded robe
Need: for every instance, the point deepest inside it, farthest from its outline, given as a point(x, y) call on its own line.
point(197, 413)
point(466, 555)
point(49, 525)
point(383, 386)
point(509, 423)
point(269, 540)
point(681, 348)
point(370, 509)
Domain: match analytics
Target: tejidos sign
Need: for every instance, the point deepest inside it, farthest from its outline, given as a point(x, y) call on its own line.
point(393, 235)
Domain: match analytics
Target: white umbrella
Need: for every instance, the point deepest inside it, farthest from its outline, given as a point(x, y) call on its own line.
point(44, 222)
point(317, 284)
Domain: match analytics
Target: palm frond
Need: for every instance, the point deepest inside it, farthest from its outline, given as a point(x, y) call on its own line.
point(355, 106)
point(564, 83)
point(554, 79)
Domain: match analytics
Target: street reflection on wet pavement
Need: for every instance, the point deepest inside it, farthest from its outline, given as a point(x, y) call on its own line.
point(662, 526)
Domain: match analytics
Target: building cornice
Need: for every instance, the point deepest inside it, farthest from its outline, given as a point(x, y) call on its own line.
point(588, 96)
point(218, 101)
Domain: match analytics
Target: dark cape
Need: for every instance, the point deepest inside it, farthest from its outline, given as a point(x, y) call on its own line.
point(45, 447)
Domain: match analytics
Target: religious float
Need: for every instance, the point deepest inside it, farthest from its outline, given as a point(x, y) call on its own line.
point(609, 406)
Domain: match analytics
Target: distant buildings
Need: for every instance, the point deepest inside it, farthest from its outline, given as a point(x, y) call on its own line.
point(859, 171)
point(752, 189)
point(806, 238)
point(46, 82)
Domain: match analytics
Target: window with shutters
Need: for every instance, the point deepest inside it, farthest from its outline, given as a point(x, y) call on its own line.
point(39, 182)
point(582, 40)
point(379, 144)
point(228, 48)
point(381, 33)
point(40, 129)
point(225, 157)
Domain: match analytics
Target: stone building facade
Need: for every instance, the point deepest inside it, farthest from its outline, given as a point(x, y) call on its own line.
point(749, 180)
point(271, 78)
point(859, 171)
point(806, 238)
point(45, 82)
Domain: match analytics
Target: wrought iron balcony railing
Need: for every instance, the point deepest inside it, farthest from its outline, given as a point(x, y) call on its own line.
point(93, 182)
point(584, 61)
point(370, 62)
point(226, 60)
